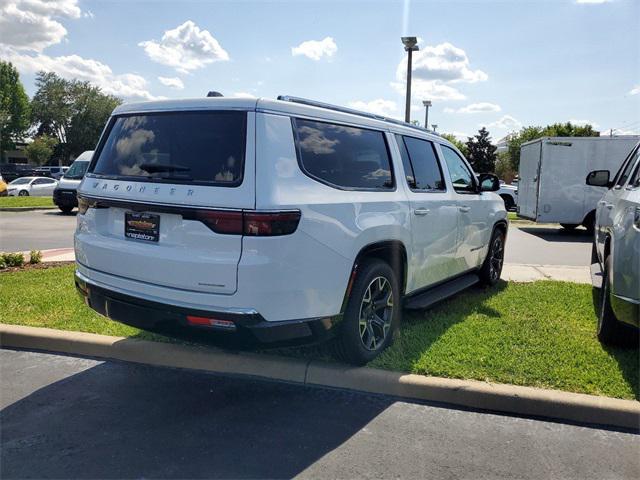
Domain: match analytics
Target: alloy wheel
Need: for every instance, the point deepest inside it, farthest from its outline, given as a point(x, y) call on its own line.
point(376, 313)
point(497, 257)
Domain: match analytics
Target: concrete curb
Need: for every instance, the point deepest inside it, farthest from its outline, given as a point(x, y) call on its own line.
point(511, 399)
point(25, 209)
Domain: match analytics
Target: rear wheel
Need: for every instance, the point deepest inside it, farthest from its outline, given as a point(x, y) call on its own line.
point(372, 313)
point(610, 331)
point(492, 266)
point(508, 202)
point(590, 222)
point(23, 193)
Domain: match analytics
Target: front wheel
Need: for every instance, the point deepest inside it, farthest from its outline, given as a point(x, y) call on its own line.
point(609, 330)
point(65, 209)
point(372, 313)
point(23, 193)
point(492, 266)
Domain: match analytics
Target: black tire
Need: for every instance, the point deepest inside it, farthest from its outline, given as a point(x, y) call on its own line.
point(492, 266)
point(66, 209)
point(23, 193)
point(569, 226)
point(508, 202)
point(590, 223)
point(609, 330)
point(354, 342)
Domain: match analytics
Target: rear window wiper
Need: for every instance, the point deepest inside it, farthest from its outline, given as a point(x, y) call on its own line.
point(163, 167)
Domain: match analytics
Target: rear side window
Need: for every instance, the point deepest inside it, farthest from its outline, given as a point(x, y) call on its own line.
point(181, 147)
point(342, 156)
point(421, 164)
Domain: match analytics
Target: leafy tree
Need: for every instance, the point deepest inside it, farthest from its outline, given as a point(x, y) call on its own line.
point(458, 144)
point(40, 150)
point(503, 168)
point(73, 111)
point(482, 153)
point(527, 134)
point(14, 107)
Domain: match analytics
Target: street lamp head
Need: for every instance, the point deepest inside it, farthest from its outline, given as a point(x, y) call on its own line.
point(410, 43)
point(435, 126)
point(426, 103)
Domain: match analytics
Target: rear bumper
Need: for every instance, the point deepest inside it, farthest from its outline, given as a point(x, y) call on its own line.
point(150, 315)
point(63, 197)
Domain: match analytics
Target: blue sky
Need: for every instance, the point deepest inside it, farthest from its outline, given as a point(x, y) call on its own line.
point(503, 64)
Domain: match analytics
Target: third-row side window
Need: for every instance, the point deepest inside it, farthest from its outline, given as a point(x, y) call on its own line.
point(344, 156)
point(420, 164)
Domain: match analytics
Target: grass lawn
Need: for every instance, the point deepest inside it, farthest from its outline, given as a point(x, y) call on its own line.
point(539, 334)
point(26, 202)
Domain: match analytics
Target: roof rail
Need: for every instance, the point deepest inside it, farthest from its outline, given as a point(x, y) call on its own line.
point(337, 108)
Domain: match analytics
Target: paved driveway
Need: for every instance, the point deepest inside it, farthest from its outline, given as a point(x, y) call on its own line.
point(67, 417)
point(36, 229)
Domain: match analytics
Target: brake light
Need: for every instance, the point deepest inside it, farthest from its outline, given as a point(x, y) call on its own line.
point(210, 322)
point(256, 224)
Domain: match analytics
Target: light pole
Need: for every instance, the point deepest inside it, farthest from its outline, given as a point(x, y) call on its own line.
point(410, 46)
point(434, 126)
point(427, 104)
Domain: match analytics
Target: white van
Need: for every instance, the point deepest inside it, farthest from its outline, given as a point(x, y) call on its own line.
point(64, 196)
point(288, 219)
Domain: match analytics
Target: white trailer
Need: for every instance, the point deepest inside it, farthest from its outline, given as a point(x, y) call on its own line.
point(552, 177)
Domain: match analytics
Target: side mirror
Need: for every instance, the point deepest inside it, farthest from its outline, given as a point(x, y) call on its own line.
point(488, 182)
point(599, 178)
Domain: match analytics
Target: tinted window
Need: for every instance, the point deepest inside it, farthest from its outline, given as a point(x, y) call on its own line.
point(625, 170)
point(77, 170)
point(424, 164)
point(635, 177)
point(406, 163)
point(20, 181)
point(343, 156)
point(182, 147)
point(461, 176)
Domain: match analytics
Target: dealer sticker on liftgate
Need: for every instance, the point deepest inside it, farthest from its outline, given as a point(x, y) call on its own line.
point(142, 226)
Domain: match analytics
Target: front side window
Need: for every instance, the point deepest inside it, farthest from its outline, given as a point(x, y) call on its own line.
point(625, 170)
point(342, 156)
point(461, 176)
point(177, 147)
point(635, 177)
point(426, 173)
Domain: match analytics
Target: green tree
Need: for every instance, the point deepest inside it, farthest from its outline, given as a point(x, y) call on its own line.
point(458, 144)
point(14, 107)
point(482, 153)
point(527, 134)
point(503, 169)
point(74, 112)
point(40, 150)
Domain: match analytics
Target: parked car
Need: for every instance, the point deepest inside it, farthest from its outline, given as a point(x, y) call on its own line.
point(616, 250)
point(64, 196)
point(11, 171)
point(54, 172)
point(3, 187)
point(290, 219)
point(552, 172)
point(509, 194)
point(34, 186)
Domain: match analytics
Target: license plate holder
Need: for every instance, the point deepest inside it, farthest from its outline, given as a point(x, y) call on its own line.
point(142, 226)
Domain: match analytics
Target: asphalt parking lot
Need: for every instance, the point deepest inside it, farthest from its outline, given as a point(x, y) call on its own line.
point(67, 417)
point(548, 245)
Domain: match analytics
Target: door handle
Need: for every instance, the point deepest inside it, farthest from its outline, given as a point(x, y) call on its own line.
point(464, 209)
point(608, 206)
point(421, 211)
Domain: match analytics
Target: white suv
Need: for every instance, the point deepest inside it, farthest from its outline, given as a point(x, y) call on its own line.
point(290, 219)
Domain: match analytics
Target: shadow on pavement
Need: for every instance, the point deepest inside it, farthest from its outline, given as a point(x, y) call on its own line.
point(558, 234)
point(118, 420)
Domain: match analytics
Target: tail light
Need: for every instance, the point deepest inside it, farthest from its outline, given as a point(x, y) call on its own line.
point(256, 224)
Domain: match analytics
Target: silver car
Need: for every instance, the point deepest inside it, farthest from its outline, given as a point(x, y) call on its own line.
point(33, 186)
point(616, 251)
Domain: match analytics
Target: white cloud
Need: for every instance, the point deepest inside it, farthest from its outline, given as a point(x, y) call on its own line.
point(173, 82)
point(635, 90)
point(379, 106)
point(506, 122)
point(185, 48)
point(435, 69)
point(582, 123)
point(127, 85)
point(316, 49)
point(32, 24)
point(481, 107)
point(592, 2)
point(243, 95)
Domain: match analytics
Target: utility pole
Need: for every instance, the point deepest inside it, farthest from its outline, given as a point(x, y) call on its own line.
point(410, 46)
point(427, 104)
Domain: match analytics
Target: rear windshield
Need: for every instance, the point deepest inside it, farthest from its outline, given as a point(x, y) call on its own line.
point(181, 147)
